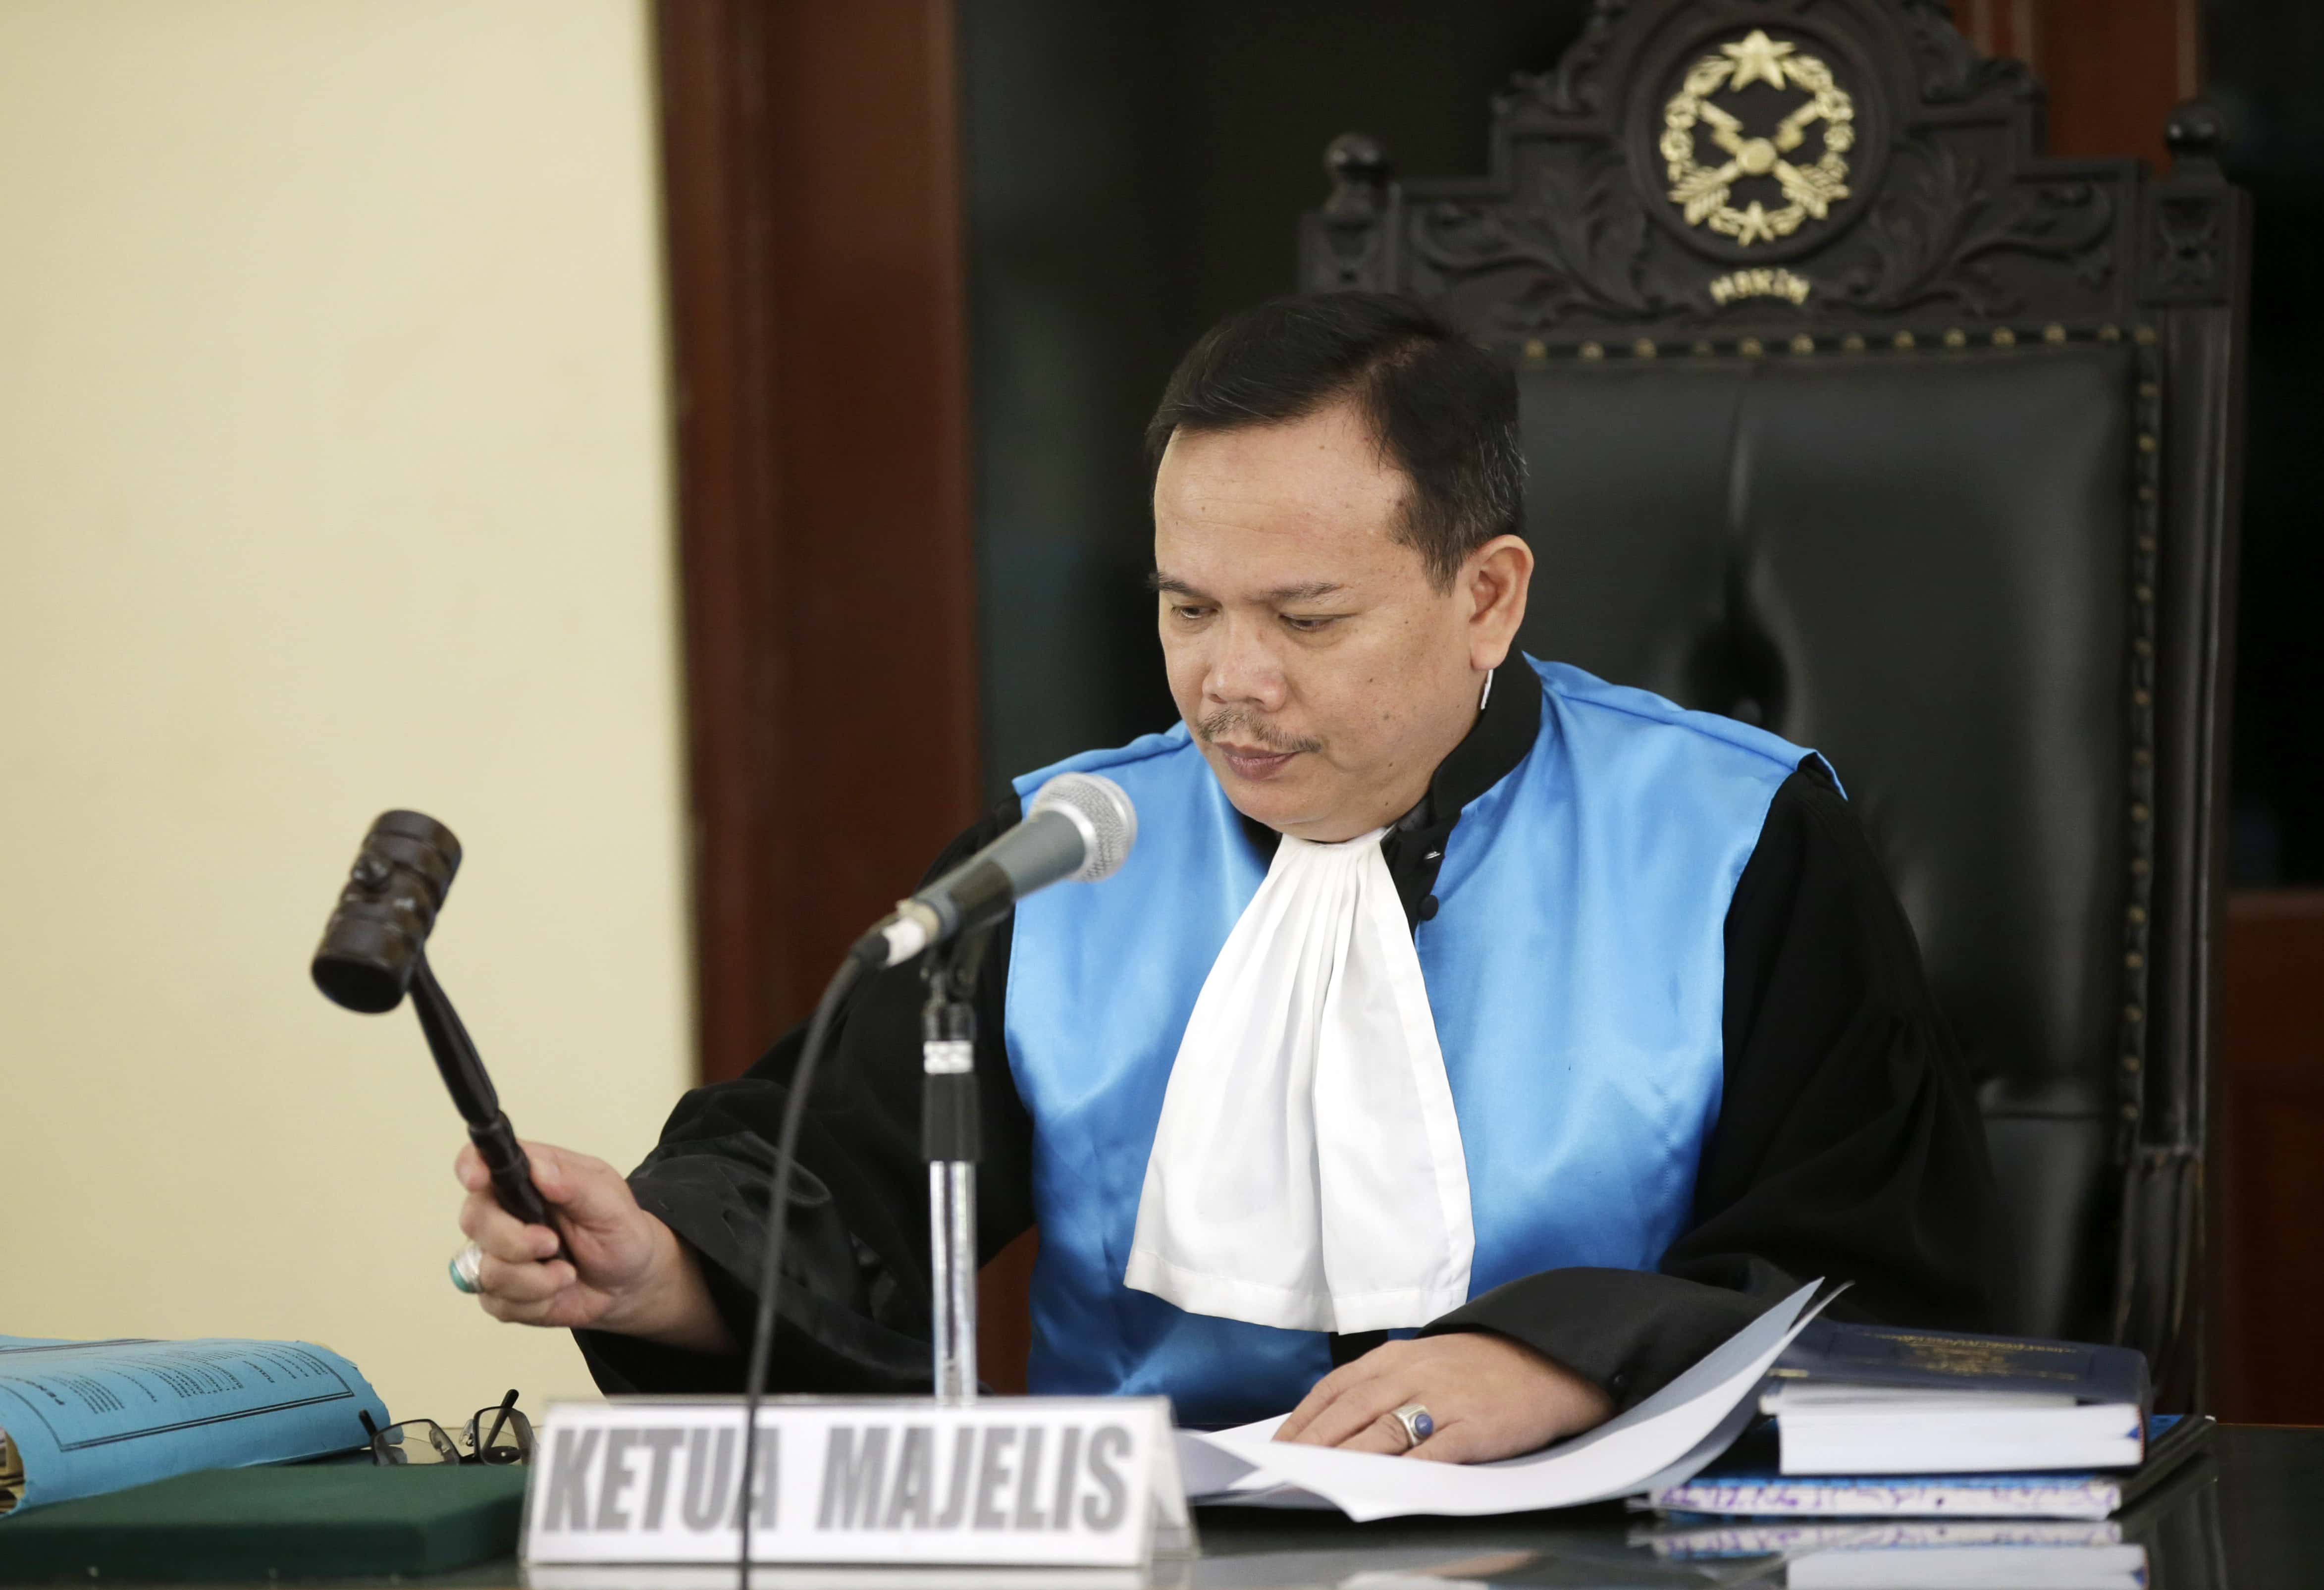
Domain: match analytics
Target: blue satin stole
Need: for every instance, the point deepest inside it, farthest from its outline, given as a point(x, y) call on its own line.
point(1575, 968)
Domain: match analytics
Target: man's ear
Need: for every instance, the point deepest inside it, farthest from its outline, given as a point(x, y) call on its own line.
point(1496, 578)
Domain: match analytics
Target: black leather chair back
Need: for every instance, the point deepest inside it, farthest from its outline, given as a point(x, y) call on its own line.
point(1849, 415)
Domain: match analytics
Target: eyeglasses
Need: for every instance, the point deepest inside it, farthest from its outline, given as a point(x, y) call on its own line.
point(494, 1435)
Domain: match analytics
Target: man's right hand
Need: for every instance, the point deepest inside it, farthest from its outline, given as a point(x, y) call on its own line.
point(623, 1271)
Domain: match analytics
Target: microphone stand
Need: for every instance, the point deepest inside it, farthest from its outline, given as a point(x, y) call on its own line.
point(950, 1140)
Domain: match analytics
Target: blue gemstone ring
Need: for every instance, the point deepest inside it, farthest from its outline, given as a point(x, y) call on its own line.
point(1413, 1419)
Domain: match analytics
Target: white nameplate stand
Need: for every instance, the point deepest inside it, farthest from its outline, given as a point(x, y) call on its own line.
point(955, 1479)
point(1014, 1481)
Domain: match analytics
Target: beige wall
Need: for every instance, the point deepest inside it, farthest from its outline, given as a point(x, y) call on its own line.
point(333, 477)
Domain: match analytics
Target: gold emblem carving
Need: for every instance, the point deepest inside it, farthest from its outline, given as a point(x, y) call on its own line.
point(1705, 193)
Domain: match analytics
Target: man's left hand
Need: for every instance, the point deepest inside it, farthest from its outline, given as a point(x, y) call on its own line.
point(1490, 1398)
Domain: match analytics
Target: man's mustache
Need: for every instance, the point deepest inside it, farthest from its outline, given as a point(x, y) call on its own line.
point(1246, 730)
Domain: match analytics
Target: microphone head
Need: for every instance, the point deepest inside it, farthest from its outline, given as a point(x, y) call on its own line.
point(1100, 809)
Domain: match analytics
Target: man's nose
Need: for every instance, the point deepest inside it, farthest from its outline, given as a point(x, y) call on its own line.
point(1245, 668)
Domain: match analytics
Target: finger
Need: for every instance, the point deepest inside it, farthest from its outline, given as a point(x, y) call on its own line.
point(1354, 1409)
point(1318, 1398)
point(1383, 1436)
point(1458, 1442)
point(522, 1284)
point(501, 1233)
point(510, 1312)
point(550, 1171)
point(563, 1176)
point(468, 1165)
point(487, 1224)
point(584, 1189)
point(1334, 1386)
point(1300, 1423)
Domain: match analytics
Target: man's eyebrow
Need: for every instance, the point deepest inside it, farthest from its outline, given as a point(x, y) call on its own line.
point(1305, 591)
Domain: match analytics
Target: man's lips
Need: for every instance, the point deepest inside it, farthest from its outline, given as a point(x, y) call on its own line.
point(1254, 761)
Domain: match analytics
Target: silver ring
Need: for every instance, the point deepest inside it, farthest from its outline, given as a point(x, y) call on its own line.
point(467, 1266)
point(1413, 1419)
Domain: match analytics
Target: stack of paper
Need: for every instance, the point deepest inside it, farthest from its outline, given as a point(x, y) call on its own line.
point(1748, 1481)
point(1664, 1441)
point(1848, 1430)
point(1919, 1556)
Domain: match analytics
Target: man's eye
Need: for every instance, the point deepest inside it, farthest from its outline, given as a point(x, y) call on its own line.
point(1307, 626)
point(1188, 613)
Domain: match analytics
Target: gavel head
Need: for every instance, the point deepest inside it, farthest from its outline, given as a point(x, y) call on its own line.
point(374, 940)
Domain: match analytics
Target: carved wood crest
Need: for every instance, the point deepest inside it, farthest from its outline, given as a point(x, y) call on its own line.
point(1718, 167)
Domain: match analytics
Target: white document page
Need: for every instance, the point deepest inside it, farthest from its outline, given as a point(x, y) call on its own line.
point(1664, 1440)
point(1798, 1397)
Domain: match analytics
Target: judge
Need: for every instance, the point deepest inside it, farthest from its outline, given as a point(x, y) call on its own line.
point(1467, 1045)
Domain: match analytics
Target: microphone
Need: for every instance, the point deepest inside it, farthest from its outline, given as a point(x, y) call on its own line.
point(1080, 827)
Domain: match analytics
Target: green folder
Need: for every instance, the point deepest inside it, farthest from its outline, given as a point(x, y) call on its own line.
point(304, 1520)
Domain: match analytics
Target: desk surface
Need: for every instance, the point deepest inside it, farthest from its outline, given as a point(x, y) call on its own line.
point(2247, 1515)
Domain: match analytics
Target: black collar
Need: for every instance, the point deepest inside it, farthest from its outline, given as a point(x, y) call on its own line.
point(1505, 730)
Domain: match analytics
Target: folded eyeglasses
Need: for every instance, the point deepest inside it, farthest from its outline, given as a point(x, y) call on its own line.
point(501, 1433)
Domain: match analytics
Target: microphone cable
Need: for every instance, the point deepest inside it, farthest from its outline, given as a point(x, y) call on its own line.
point(868, 955)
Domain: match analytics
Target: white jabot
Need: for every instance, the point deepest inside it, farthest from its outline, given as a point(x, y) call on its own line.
point(1307, 1171)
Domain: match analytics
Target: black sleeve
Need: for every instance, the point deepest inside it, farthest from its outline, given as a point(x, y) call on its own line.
point(854, 1307)
point(1847, 1145)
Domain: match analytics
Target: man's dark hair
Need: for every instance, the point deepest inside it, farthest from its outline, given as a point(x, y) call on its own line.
point(1443, 410)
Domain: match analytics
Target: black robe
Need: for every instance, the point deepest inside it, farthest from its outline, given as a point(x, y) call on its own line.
point(1846, 1147)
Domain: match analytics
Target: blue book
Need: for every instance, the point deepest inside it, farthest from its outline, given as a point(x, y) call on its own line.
point(1746, 1483)
point(1866, 1400)
point(1834, 1352)
point(79, 1418)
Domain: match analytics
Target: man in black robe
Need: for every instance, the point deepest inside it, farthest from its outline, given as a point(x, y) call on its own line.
point(1844, 1146)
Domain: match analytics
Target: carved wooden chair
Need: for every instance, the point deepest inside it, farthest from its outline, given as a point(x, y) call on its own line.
point(1850, 414)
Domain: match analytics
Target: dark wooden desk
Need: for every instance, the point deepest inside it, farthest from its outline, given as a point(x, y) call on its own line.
point(2247, 1515)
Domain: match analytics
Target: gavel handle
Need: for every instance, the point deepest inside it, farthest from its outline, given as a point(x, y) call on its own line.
point(504, 1157)
point(471, 1091)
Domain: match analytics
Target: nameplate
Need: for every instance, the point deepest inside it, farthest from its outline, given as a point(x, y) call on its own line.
point(1018, 1481)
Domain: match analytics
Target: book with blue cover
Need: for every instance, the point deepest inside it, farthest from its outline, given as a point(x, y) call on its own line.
point(1831, 1351)
point(1870, 1400)
point(79, 1418)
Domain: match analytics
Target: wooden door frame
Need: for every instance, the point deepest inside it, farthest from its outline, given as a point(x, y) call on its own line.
point(817, 319)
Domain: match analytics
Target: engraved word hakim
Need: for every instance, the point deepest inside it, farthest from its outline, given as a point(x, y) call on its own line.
point(1760, 282)
point(1705, 193)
